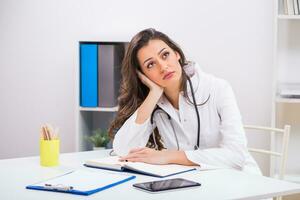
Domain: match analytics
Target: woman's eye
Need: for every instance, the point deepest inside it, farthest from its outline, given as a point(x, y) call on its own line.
point(150, 65)
point(165, 55)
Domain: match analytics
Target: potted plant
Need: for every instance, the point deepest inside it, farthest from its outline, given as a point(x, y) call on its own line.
point(99, 139)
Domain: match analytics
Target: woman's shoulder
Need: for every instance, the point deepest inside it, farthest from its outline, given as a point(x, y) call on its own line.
point(205, 78)
point(207, 84)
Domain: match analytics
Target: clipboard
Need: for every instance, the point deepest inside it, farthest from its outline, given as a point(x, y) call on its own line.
point(81, 182)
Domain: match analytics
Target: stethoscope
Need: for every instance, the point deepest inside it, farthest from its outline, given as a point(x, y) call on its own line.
point(159, 109)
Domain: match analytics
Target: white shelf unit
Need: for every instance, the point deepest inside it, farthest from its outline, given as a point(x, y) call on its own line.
point(286, 70)
point(90, 118)
point(112, 109)
point(281, 16)
point(286, 100)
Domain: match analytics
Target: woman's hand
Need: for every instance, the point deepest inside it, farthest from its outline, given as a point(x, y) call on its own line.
point(146, 108)
point(150, 84)
point(148, 155)
point(152, 156)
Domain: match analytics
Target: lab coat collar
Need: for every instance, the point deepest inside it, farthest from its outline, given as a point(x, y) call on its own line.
point(193, 71)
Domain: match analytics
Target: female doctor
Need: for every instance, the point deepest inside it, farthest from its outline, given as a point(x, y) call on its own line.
point(170, 111)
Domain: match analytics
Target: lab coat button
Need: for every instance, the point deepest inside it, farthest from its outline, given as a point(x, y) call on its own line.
point(184, 120)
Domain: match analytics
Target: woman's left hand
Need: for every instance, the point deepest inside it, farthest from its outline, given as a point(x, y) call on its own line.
point(148, 155)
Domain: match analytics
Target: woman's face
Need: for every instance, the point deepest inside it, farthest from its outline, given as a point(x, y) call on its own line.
point(160, 63)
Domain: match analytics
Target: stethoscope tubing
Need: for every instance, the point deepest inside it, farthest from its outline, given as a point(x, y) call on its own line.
point(169, 117)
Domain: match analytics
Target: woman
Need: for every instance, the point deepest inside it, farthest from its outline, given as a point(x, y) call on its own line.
point(172, 112)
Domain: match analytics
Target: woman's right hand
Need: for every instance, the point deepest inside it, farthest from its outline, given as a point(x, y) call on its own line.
point(150, 84)
point(147, 107)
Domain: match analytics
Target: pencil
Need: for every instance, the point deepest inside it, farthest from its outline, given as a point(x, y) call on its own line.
point(50, 130)
point(49, 133)
point(45, 133)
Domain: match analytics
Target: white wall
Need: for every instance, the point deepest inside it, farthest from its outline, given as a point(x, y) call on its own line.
point(39, 46)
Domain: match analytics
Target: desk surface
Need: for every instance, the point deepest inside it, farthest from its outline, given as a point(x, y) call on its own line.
point(15, 174)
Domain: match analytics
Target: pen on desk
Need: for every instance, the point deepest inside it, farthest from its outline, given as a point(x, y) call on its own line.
point(58, 187)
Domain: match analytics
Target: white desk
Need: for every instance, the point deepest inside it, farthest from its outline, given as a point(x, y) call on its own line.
point(15, 174)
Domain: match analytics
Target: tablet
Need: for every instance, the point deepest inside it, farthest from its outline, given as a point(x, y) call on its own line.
point(167, 184)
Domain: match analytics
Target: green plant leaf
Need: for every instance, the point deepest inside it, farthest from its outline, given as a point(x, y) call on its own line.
point(99, 138)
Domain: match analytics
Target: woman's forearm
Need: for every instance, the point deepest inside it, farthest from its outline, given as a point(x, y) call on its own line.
point(178, 157)
point(146, 108)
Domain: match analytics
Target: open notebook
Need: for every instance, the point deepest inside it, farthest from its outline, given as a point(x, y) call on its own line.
point(112, 163)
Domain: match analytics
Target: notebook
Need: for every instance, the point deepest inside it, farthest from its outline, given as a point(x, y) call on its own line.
point(112, 163)
point(82, 182)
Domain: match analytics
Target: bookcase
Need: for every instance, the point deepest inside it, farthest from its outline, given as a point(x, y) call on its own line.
point(286, 108)
point(99, 109)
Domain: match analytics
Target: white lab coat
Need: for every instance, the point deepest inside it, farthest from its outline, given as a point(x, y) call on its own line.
point(222, 139)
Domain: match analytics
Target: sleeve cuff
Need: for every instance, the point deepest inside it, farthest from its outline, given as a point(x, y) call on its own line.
point(191, 156)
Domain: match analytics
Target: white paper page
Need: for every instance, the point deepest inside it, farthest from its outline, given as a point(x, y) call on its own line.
point(111, 160)
point(85, 180)
point(161, 170)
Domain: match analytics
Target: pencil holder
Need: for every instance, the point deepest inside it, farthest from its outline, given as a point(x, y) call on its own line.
point(49, 152)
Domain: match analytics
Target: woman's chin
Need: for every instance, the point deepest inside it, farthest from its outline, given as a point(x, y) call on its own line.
point(170, 83)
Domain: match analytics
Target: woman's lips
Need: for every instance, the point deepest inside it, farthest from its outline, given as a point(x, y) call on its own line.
point(168, 75)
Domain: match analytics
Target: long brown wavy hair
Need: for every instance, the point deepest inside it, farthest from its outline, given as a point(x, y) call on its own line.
point(132, 91)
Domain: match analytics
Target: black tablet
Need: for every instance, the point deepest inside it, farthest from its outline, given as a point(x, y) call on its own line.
point(164, 185)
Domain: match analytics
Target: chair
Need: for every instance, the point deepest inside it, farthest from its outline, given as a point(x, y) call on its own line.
point(282, 154)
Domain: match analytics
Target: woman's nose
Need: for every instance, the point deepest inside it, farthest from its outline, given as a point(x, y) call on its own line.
point(163, 66)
